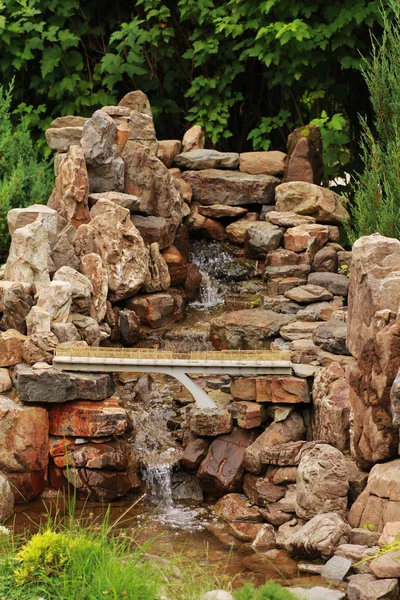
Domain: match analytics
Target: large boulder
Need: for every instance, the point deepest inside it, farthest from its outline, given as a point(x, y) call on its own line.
point(112, 235)
point(81, 288)
point(322, 482)
point(320, 536)
point(231, 187)
point(29, 256)
point(84, 418)
point(309, 199)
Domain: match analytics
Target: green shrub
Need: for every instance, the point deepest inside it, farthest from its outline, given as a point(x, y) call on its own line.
point(269, 591)
point(24, 179)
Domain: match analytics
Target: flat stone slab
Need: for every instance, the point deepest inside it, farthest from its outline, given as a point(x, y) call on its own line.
point(316, 593)
point(336, 569)
point(207, 159)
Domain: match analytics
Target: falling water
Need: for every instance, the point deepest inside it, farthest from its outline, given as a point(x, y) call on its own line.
point(158, 485)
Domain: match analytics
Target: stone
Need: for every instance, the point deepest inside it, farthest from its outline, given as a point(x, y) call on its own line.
point(326, 260)
point(364, 537)
point(230, 187)
point(116, 455)
point(112, 235)
point(137, 100)
point(88, 328)
point(335, 283)
point(245, 532)
point(316, 593)
point(322, 482)
point(71, 193)
point(28, 259)
point(5, 286)
point(247, 329)
point(261, 491)
point(154, 230)
point(51, 386)
point(236, 232)
point(158, 277)
point(95, 271)
point(374, 286)
point(366, 587)
point(234, 508)
point(102, 485)
point(23, 437)
point(141, 130)
point(109, 177)
point(27, 486)
point(207, 159)
point(68, 121)
point(344, 259)
point(265, 539)
point(222, 469)
point(17, 303)
point(62, 138)
point(288, 219)
point(193, 281)
point(290, 430)
point(263, 163)
point(331, 336)
point(306, 352)
point(286, 453)
point(193, 139)
point(84, 418)
point(261, 238)
point(279, 304)
point(277, 287)
point(299, 238)
point(176, 265)
point(336, 569)
point(275, 515)
point(186, 488)
point(99, 139)
point(39, 347)
point(129, 327)
point(217, 595)
point(248, 414)
point(6, 498)
point(207, 227)
point(129, 201)
point(194, 453)
point(304, 161)
point(309, 199)
point(81, 289)
point(220, 211)
point(168, 150)
point(320, 536)
point(285, 272)
point(11, 344)
point(386, 566)
point(55, 299)
point(331, 414)
point(157, 310)
point(390, 533)
point(305, 294)
point(38, 320)
point(210, 421)
point(299, 330)
point(319, 311)
point(5, 381)
point(287, 390)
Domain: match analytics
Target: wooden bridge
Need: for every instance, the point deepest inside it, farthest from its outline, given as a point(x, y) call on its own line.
point(139, 360)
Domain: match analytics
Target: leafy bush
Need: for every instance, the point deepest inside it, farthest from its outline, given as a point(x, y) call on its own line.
point(269, 591)
point(24, 179)
point(377, 190)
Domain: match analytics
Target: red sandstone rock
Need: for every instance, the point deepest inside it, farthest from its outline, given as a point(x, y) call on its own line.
point(88, 419)
point(288, 390)
point(102, 485)
point(248, 414)
point(27, 486)
point(11, 343)
point(157, 310)
point(233, 508)
point(194, 453)
point(304, 161)
point(177, 265)
point(261, 491)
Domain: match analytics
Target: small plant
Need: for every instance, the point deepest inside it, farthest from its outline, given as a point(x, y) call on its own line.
point(344, 270)
point(369, 526)
point(269, 591)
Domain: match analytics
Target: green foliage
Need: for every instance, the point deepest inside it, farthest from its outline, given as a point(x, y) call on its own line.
point(246, 71)
point(377, 191)
point(24, 179)
point(269, 591)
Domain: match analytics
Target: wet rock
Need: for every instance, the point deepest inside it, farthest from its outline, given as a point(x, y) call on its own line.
point(248, 414)
point(39, 347)
point(27, 486)
point(194, 453)
point(71, 193)
point(331, 414)
point(210, 421)
point(28, 259)
point(157, 310)
point(55, 299)
point(158, 278)
point(305, 294)
point(331, 336)
point(245, 532)
point(261, 491)
point(6, 498)
point(222, 469)
point(17, 303)
point(320, 536)
point(11, 343)
point(299, 238)
point(207, 227)
point(52, 386)
point(288, 219)
point(96, 273)
point(304, 162)
point(84, 418)
point(81, 289)
point(112, 235)
point(186, 488)
point(207, 159)
point(220, 211)
point(5, 381)
point(322, 482)
point(193, 139)
point(102, 485)
point(367, 587)
point(308, 199)
point(260, 238)
point(265, 539)
point(23, 438)
point(234, 508)
point(247, 329)
point(263, 163)
point(231, 187)
point(168, 150)
point(326, 260)
point(129, 327)
point(290, 430)
point(62, 138)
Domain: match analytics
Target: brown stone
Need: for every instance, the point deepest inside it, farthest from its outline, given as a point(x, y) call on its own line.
point(305, 294)
point(245, 532)
point(168, 150)
point(136, 100)
point(277, 287)
point(88, 419)
point(261, 491)
point(157, 310)
point(177, 266)
point(367, 587)
point(299, 330)
point(248, 414)
point(304, 161)
point(210, 421)
point(114, 455)
point(261, 238)
point(222, 469)
point(39, 347)
point(326, 260)
point(319, 537)
point(16, 305)
point(335, 283)
point(263, 163)
point(309, 199)
point(194, 453)
point(286, 390)
point(286, 454)
point(236, 232)
point(158, 277)
point(93, 268)
point(306, 352)
point(288, 219)
point(265, 539)
point(6, 498)
point(11, 343)
point(233, 508)
point(201, 159)
point(27, 486)
point(62, 138)
point(102, 485)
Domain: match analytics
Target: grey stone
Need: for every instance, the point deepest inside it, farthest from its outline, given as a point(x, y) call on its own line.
point(335, 283)
point(108, 177)
point(98, 139)
point(217, 595)
point(316, 593)
point(186, 488)
point(61, 138)
point(260, 238)
point(6, 498)
point(336, 569)
point(367, 587)
point(207, 159)
point(319, 537)
point(331, 336)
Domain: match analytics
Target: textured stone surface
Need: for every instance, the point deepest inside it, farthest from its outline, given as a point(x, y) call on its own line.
point(309, 199)
point(331, 336)
point(322, 482)
point(326, 260)
point(102, 485)
point(263, 163)
point(157, 310)
point(28, 259)
point(81, 288)
point(61, 138)
point(320, 536)
point(288, 219)
point(299, 238)
point(261, 491)
point(248, 414)
point(39, 347)
point(304, 162)
point(158, 278)
point(210, 421)
point(231, 187)
point(11, 343)
point(335, 283)
point(234, 508)
point(194, 453)
point(168, 150)
point(220, 211)
point(336, 569)
point(305, 294)
point(88, 419)
point(6, 498)
point(193, 139)
point(317, 593)
point(299, 330)
point(386, 566)
point(94, 269)
point(367, 587)
point(236, 232)
point(5, 381)
point(55, 299)
point(286, 390)
point(207, 159)
point(261, 238)
point(115, 455)
point(136, 100)
point(16, 305)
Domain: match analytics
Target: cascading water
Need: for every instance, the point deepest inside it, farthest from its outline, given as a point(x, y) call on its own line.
point(159, 485)
point(212, 261)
